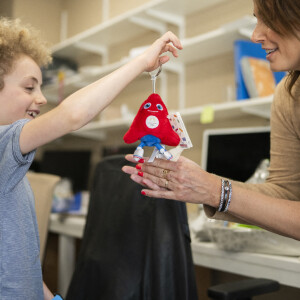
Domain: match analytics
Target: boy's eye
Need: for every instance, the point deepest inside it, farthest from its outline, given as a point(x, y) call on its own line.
point(147, 105)
point(29, 88)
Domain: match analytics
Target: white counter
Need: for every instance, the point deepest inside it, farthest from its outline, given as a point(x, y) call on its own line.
point(285, 270)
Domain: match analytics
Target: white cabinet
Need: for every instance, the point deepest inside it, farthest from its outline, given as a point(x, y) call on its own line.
point(155, 16)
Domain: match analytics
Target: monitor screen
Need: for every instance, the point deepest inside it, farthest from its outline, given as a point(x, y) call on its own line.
point(74, 165)
point(235, 153)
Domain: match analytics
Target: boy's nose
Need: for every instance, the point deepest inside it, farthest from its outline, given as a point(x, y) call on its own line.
point(40, 99)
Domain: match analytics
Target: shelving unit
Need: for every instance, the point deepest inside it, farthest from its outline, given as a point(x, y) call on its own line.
point(156, 15)
point(152, 16)
point(200, 47)
point(127, 26)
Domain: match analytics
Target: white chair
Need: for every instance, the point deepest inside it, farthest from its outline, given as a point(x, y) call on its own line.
point(42, 185)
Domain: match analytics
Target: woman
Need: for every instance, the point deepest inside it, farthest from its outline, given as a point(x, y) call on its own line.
point(271, 205)
point(22, 53)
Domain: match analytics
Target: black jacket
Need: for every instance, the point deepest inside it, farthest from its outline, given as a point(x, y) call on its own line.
point(134, 247)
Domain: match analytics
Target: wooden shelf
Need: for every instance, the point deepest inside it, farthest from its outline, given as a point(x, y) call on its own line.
point(223, 111)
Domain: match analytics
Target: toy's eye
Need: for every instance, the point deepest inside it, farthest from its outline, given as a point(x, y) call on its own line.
point(159, 106)
point(147, 105)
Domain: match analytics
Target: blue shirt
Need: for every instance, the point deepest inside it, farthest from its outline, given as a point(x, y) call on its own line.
point(20, 268)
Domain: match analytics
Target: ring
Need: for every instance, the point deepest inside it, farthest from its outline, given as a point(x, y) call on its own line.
point(166, 183)
point(165, 173)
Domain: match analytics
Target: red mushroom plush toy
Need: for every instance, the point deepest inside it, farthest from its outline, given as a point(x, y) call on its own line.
point(152, 127)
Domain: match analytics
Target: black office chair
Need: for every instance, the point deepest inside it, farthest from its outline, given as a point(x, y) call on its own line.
point(243, 289)
point(134, 247)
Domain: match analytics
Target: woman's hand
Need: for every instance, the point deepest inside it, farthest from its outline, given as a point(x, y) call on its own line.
point(164, 44)
point(182, 180)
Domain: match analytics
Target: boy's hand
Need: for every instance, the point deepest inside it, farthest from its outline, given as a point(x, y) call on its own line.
point(166, 43)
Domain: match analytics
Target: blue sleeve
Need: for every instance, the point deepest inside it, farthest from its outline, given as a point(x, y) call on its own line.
point(13, 164)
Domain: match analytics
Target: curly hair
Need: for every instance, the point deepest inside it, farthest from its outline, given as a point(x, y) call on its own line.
point(16, 40)
point(283, 17)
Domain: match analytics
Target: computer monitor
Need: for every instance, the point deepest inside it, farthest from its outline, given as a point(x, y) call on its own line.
point(235, 153)
point(74, 165)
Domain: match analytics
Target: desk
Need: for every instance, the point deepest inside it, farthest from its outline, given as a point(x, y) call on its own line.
point(68, 229)
point(285, 270)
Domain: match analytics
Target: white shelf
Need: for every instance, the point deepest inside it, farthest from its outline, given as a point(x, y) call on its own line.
point(216, 42)
point(260, 107)
point(104, 34)
point(284, 269)
point(180, 7)
point(80, 80)
point(223, 111)
point(156, 14)
point(196, 48)
point(98, 38)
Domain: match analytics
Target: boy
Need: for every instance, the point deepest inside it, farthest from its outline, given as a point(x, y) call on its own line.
point(22, 53)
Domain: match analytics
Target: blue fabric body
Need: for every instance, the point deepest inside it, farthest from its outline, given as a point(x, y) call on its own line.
point(150, 141)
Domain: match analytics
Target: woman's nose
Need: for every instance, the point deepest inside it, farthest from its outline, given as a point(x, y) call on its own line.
point(258, 35)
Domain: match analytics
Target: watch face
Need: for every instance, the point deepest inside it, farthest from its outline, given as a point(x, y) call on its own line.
point(152, 122)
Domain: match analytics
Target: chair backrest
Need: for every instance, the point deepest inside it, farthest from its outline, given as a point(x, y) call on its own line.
point(42, 185)
point(133, 247)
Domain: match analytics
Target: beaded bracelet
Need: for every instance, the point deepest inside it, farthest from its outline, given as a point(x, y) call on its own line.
point(229, 197)
point(226, 193)
point(222, 195)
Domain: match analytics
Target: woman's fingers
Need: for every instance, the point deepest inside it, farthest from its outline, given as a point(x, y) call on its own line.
point(166, 194)
point(129, 170)
point(137, 179)
point(151, 185)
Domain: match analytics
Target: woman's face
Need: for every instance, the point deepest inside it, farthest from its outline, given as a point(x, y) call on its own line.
point(283, 52)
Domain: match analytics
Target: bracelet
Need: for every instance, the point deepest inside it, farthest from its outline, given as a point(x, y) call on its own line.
point(229, 197)
point(226, 193)
point(222, 195)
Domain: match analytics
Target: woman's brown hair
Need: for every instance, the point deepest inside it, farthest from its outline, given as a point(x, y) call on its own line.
point(283, 17)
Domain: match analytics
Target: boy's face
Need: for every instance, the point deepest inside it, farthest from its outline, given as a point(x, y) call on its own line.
point(21, 96)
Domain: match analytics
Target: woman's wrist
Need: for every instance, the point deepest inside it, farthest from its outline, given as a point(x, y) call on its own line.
point(216, 190)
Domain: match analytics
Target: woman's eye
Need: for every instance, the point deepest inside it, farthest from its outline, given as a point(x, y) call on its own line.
point(147, 105)
point(29, 88)
point(159, 106)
